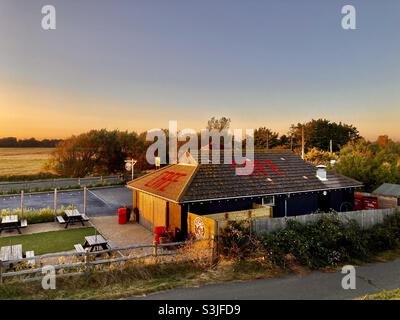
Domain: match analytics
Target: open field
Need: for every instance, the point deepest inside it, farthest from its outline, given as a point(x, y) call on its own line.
point(23, 161)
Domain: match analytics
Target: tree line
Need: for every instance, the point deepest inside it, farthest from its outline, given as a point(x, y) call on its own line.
point(372, 163)
point(13, 142)
point(103, 152)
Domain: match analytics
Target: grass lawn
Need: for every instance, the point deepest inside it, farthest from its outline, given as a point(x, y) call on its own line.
point(383, 295)
point(48, 242)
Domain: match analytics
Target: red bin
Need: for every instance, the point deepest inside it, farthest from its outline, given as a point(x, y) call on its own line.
point(122, 215)
point(158, 232)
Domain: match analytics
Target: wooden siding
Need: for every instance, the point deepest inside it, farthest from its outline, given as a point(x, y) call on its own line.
point(174, 216)
point(152, 211)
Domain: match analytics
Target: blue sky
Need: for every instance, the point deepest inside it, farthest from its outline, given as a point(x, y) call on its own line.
point(137, 64)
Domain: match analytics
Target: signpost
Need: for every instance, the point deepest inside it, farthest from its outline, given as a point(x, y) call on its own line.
point(129, 165)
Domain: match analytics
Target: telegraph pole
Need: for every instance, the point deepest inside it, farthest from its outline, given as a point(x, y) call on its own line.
point(302, 142)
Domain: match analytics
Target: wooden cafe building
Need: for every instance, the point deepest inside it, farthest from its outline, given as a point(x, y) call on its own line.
point(281, 182)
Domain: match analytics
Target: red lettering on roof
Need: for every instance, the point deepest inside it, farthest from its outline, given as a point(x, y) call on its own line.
point(164, 180)
point(256, 167)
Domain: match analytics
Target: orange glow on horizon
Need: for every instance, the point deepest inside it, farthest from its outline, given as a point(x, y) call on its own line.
point(28, 111)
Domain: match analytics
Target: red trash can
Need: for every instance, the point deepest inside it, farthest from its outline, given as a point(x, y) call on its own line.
point(158, 232)
point(122, 215)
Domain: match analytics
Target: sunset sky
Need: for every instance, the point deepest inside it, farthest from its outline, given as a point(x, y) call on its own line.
point(134, 65)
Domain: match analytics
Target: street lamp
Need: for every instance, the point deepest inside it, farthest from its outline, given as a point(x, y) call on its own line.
point(129, 164)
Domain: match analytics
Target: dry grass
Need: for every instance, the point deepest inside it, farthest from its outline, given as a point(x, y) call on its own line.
point(190, 267)
point(383, 295)
point(23, 161)
point(138, 278)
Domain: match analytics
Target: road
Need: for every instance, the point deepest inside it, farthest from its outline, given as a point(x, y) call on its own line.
point(370, 278)
point(100, 202)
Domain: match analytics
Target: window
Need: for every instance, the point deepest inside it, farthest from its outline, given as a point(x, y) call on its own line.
point(268, 201)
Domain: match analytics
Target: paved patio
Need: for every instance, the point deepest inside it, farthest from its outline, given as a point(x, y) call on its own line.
point(119, 234)
point(122, 234)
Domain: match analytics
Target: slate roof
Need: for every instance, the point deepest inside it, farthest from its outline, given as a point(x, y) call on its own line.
point(279, 173)
point(388, 189)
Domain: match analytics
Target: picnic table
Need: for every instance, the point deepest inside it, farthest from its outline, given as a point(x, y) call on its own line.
point(10, 222)
point(74, 216)
point(95, 243)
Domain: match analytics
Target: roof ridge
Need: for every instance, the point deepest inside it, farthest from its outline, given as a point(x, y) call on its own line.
point(188, 183)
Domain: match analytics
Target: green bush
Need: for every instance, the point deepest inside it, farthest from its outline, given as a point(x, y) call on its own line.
point(35, 216)
point(326, 242)
point(385, 236)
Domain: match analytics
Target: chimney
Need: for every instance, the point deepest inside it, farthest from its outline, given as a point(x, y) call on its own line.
point(157, 162)
point(321, 172)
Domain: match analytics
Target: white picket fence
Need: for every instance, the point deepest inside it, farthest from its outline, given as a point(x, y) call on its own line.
point(365, 218)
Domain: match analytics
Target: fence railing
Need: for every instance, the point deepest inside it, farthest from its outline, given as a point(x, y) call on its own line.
point(16, 186)
point(365, 218)
point(87, 261)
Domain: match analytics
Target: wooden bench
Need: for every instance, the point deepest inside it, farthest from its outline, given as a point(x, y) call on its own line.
point(30, 254)
point(79, 248)
point(85, 217)
point(24, 223)
point(60, 219)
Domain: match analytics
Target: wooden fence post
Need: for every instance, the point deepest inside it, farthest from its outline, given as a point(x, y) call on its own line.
point(22, 203)
point(87, 262)
point(84, 199)
point(250, 223)
point(155, 249)
point(55, 203)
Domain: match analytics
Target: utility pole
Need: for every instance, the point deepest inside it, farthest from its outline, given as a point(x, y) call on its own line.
point(291, 142)
point(302, 142)
point(330, 145)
